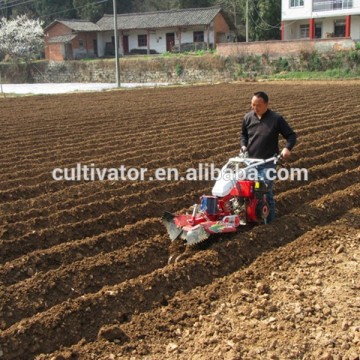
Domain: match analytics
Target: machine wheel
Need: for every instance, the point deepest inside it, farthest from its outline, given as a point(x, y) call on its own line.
point(262, 210)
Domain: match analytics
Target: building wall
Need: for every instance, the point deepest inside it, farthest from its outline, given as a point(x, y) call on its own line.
point(284, 48)
point(58, 29)
point(355, 10)
point(102, 38)
point(157, 38)
point(88, 48)
point(355, 27)
point(187, 36)
point(221, 29)
point(326, 18)
point(220, 24)
point(295, 13)
point(306, 11)
point(327, 26)
point(55, 52)
point(292, 28)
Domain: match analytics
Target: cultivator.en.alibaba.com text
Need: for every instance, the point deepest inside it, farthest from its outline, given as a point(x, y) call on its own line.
point(203, 172)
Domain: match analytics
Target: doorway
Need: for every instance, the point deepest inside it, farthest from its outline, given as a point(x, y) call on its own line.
point(68, 53)
point(170, 41)
point(126, 44)
point(95, 48)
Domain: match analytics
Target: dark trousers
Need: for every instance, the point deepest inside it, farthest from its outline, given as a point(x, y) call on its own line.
point(263, 175)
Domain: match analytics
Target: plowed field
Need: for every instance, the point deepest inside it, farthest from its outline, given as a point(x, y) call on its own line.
point(83, 264)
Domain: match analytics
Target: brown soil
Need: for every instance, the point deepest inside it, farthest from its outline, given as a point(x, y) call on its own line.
point(83, 264)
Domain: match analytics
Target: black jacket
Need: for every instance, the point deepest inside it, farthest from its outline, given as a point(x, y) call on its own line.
point(261, 137)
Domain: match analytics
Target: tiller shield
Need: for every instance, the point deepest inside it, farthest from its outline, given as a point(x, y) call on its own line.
point(233, 203)
point(194, 231)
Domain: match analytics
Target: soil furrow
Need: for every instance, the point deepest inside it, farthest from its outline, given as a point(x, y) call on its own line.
point(149, 291)
point(145, 141)
point(67, 253)
point(82, 277)
point(84, 264)
point(11, 231)
point(10, 249)
point(87, 276)
point(42, 260)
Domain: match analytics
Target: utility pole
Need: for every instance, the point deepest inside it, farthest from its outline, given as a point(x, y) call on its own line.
point(116, 38)
point(247, 21)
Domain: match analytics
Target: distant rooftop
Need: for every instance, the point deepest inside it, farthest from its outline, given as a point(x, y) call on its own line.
point(77, 25)
point(160, 19)
point(61, 39)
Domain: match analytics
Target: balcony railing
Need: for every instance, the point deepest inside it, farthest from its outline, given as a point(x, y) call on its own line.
point(332, 5)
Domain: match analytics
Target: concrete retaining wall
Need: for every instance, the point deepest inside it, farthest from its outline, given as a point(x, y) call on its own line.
point(173, 70)
point(231, 64)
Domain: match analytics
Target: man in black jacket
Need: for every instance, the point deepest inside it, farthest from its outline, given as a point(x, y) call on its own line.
point(260, 132)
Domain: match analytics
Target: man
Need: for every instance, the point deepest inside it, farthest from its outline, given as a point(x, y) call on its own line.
point(260, 138)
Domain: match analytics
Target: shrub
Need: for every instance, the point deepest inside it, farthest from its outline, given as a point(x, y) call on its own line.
point(179, 69)
point(282, 64)
point(314, 62)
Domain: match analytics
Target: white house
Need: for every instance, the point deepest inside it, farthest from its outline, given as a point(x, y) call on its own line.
point(161, 31)
point(320, 19)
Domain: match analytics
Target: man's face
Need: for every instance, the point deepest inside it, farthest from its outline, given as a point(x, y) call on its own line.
point(258, 105)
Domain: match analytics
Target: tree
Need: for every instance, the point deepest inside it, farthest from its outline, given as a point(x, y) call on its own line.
point(86, 10)
point(234, 11)
point(232, 8)
point(21, 38)
point(184, 4)
point(50, 10)
point(270, 16)
point(264, 19)
point(12, 8)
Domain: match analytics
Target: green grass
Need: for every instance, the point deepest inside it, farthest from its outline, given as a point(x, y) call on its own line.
point(189, 53)
point(332, 74)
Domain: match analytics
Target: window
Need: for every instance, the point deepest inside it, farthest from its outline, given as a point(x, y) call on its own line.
point(328, 5)
point(347, 4)
point(337, 4)
point(342, 4)
point(339, 29)
point(295, 3)
point(304, 31)
point(142, 40)
point(81, 44)
point(198, 36)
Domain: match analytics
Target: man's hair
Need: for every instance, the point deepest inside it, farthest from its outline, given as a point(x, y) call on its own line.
point(262, 95)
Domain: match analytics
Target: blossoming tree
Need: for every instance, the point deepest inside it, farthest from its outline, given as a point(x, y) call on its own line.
point(21, 38)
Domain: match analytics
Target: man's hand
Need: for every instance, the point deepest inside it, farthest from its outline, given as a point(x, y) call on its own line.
point(243, 149)
point(285, 153)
